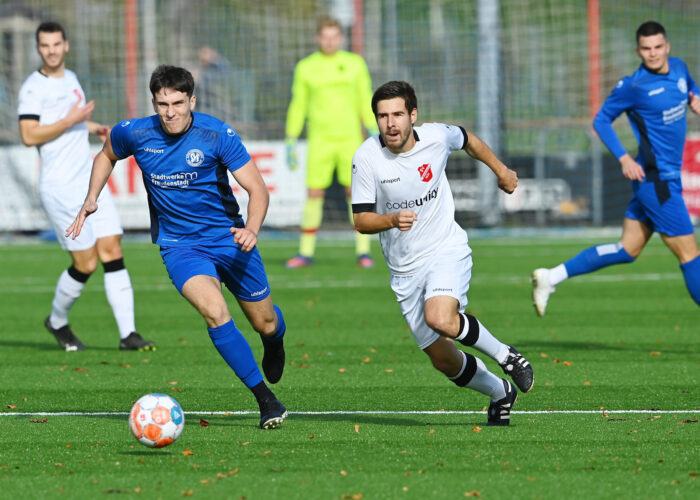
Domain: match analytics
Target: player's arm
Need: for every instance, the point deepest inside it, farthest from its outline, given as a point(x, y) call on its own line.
point(34, 134)
point(102, 167)
point(296, 113)
point(479, 150)
point(249, 178)
point(619, 100)
point(101, 131)
point(370, 222)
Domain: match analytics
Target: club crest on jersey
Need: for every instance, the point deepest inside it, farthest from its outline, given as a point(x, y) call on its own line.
point(682, 85)
point(426, 173)
point(194, 157)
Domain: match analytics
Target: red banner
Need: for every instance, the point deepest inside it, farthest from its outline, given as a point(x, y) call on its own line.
point(691, 175)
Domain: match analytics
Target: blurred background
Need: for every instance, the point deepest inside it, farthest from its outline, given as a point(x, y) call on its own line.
point(525, 75)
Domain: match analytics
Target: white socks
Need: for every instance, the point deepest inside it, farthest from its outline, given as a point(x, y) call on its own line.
point(486, 382)
point(120, 296)
point(68, 289)
point(557, 274)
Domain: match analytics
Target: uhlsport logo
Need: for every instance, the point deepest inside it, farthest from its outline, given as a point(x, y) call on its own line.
point(425, 172)
point(194, 157)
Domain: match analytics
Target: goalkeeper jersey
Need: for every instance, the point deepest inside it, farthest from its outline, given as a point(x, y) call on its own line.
point(189, 195)
point(656, 106)
point(333, 94)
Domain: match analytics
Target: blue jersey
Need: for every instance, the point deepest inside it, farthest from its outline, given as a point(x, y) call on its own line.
point(189, 195)
point(656, 106)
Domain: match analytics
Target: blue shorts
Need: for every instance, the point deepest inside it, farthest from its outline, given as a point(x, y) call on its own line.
point(243, 273)
point(659, 205)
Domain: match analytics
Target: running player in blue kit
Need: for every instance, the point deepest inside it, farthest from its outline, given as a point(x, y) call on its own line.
point(185, 158)
point(655, 99)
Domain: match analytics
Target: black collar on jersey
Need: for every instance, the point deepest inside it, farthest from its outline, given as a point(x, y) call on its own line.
point(42, 73)
point(415, 136)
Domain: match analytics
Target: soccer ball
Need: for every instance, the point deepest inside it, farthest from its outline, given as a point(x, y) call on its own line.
point(156, 420)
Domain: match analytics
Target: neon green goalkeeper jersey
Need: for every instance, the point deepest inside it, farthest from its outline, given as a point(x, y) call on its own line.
point(333, 94)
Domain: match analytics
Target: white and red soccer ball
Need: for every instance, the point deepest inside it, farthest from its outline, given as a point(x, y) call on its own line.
point(156, 420)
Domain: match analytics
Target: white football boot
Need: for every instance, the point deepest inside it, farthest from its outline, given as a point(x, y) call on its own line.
point(541, 290)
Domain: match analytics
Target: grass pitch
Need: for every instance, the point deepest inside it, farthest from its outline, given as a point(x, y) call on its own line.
point(613, 414)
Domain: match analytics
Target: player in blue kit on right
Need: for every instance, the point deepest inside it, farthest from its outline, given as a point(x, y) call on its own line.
point(655, 99)
point(185, 158)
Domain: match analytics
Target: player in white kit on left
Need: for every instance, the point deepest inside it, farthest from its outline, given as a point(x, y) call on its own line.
point(54, 116)
point(400, 190)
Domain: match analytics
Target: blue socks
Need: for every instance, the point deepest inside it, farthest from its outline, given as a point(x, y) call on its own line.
point(597, 257)
point(281, 329)
point(691, 273)
point(236, 351)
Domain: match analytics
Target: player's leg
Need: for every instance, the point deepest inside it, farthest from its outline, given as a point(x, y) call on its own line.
point(469, 371)
point(635, 235)
point(68, 288)
point(266, 318)
point(319, 176)
point(120, 293)
point(685, 247)
point(363, 242)
point(195, 276)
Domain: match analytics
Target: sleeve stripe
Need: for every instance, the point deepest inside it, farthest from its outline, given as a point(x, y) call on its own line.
point(466, 137)
point(29, 117)
point(358, 208)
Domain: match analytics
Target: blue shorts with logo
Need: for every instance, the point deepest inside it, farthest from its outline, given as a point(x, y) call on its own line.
point(243, 273)
point(659, 205)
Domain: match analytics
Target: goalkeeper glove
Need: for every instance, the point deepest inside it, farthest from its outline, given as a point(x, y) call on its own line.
point(291, 153)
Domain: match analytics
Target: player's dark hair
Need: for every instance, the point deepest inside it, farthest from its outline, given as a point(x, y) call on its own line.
point(50, 27)
point(650, 28)
point(171, 77)
point(394, 89)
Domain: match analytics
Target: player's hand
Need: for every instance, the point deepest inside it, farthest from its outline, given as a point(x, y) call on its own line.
point(508, 181)
point(694, 102)
point(404, 219)
point(244, 238)
point(631, 169)
point(89, 207)
point(102, 132)
point(291, 153)
point(79, 114)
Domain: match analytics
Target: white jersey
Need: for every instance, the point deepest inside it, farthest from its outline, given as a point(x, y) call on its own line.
point(413, 180)
point(65, 161)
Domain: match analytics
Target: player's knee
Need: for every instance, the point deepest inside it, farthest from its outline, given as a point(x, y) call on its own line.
point(438, 322)
point(86, 266)
point(264, 325)
point(215, 314)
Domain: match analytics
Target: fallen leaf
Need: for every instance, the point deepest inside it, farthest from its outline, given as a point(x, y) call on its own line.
point(655, 353)
point(472, 493)
point(187, 493)
point(39, 421)
point(367, 360)
point(543, 355)
point(12, 407)
point(431, 431)
point(586, 383)
point(81, 369)
point(174, 382)
point(176, 389)
point(476, 428)
point(203, 422)
point(312, 436)
point(187, 452)
point(246, 443)
point(343, 473)
point(342, 370)
point(389, 370)
point(357, 428)
point(59, 464)
point(568, 363)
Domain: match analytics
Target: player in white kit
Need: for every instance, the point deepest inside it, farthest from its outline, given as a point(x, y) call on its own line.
point(54, 116)
point(400, 190)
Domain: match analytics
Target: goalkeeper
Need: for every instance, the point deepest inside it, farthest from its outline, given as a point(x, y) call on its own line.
point(331, 92)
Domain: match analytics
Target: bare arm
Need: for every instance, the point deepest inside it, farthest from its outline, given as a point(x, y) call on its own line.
point(249, 178)
point(477, 149)
point(34, 134)
point(371, 222)
point(102, 167)
point(101, 131)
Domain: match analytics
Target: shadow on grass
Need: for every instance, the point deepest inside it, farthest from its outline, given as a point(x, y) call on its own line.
point(594, 346)
point(48, 346)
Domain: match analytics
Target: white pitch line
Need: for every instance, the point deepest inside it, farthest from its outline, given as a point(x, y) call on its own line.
point(359, 412)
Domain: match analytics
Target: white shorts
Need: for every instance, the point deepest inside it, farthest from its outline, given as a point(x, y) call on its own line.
point(445, 275)
point(62, 209)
